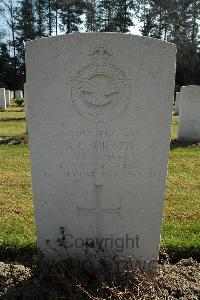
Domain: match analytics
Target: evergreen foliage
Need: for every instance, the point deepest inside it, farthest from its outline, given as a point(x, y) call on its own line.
point(175, 21)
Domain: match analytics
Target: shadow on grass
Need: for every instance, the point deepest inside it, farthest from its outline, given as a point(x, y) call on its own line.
point(177, 144)
point(12, 119)
point(175, 254)
point(15, 109)
point(23, 255)
point(26, 255)
point(14, 140)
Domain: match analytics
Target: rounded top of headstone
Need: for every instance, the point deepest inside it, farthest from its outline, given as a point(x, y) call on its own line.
point(190, 87)
point(194, 86)
point(102, 35)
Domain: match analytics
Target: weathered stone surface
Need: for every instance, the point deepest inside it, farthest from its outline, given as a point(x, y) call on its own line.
point(2, 98)
point(11, 95)
point(177, 103)
point(100, 108)
point(18, 94)
point(8, 102)
point(189, 123)
point(26, 105)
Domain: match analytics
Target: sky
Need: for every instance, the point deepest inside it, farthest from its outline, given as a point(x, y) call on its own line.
point(135, 29)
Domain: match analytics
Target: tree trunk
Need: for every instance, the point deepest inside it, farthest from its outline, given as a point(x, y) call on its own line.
point(49, 17)
point(40, 19)
point(125, 16)
point(56, 20)
point(194, 17)
point(160, 20)
point(14, 46)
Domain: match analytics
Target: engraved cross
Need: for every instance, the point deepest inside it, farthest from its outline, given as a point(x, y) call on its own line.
point(99, 211)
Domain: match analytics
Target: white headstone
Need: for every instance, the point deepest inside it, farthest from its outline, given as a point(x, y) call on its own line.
point(25, 105)
point(100, 108)
point(8, 103)
point(11, 95)
point(177, 103)
point(18, 94)
point(2, 98)
point(189, 123)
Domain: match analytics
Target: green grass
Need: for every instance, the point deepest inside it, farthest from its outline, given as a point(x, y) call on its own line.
point(175, 121)
point(181, 226)
point(16, 210)
point(12, 128)
point(180, 232)
point(12, 122)
point(13, 113)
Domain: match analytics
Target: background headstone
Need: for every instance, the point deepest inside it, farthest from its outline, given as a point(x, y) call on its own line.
point(25, 106)
point(189, 123)
point(8, 102)
point(177, 103)
point(11, 95)
point(2, 98)
point(100, 109)
point(18, 94)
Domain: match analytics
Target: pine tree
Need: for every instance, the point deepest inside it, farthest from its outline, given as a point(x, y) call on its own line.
point(1, 13)
point(124, 14)
point(50, 16)
point(158, 17)
point(5, 65)
point(40, 10)
point(145, 17)
point(56, 17)
point(26, 21)
point(26, 31)
point(194, 17)
point(176, 21)
point(107, 14)
point(11, 13)
point(70, 15)
point(92, 22)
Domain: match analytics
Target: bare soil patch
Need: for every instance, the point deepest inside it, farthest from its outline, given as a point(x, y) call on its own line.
point(173, 281)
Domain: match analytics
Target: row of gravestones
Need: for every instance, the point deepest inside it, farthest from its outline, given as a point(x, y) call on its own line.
point(187, 106)
point(99, 121)
point(6, 96)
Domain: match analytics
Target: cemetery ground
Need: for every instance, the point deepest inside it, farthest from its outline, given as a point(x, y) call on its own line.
point(22, 274)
